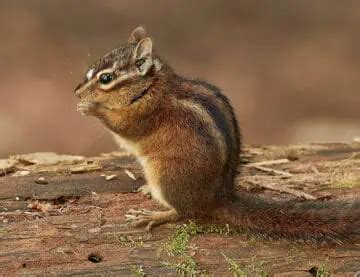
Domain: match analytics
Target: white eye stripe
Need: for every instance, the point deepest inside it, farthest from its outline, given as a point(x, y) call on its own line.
point(90, 73)
point(119, 79)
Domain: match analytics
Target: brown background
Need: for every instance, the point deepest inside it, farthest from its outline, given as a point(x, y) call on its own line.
point(291, 68)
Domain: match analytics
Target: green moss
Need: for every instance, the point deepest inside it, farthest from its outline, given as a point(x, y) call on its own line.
point(321, 271)
point(3, 231)
point(250, 268)
point(236, 269)
point(186, 267)
point(295, 253)
point(177, 243)
point(137, 271)
point(347, 183)
point(128, 241)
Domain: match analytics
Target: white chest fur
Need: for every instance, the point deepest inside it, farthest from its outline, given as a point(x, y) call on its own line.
point(129, 146)
point(152, 178)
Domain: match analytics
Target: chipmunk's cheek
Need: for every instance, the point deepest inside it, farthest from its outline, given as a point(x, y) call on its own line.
point(87, 107)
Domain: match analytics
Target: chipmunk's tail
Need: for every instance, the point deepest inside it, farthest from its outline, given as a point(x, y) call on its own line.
point(308, 221)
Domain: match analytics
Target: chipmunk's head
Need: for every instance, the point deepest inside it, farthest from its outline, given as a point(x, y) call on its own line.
point(120, 77)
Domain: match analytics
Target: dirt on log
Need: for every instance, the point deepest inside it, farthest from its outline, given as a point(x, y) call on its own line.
point(63, 215)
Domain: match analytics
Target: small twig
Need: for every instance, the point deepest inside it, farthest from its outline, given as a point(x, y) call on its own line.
point(270, 170)
point(341, 164)
point(284, 189)
point(344, 257)
point(269, 162)
point(314, 169)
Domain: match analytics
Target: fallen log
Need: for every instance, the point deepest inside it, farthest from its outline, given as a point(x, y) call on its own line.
point(64, 215)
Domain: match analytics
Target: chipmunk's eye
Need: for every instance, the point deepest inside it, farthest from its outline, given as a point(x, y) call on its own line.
point(139, 63)
point(106, 78)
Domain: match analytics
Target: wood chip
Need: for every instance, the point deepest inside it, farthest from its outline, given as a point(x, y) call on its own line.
point(47, 158)
point(108, 177)
point(6, 166)
point(41, 181)
point(130, 174)
point(94, 230)
point(84, 168)
point(95, 196)
point(21, 173)
point(116, 154)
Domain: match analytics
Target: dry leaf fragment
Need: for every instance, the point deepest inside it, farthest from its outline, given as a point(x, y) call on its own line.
point(43, 207)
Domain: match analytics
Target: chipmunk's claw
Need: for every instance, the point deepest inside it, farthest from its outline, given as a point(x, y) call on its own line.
point(138, 218)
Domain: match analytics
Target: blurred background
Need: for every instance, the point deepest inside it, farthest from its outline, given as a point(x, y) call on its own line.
point(291, 68)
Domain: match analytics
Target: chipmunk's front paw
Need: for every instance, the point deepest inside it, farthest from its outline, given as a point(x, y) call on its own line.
point(87, 107)
point(149, 218)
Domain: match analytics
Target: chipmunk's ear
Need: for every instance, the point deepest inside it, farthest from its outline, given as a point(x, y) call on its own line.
point(142, 55)
point(138, 34)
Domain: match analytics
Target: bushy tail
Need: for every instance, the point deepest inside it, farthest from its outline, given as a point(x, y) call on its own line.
point(308, 221)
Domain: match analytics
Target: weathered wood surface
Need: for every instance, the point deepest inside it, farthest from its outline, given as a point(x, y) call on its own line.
point(55, 211)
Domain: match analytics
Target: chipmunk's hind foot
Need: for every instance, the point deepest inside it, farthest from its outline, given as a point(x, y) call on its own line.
point(149, 218)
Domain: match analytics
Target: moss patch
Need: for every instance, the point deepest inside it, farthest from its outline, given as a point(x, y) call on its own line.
point(126, 240)
point(347, 183)
point(186, 267)
point(252, 267)
point(137, 271)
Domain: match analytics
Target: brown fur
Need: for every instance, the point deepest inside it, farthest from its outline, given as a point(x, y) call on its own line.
point(185, 134)
point(308, 221)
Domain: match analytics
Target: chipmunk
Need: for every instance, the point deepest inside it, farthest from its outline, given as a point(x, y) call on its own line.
point(185, 135)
